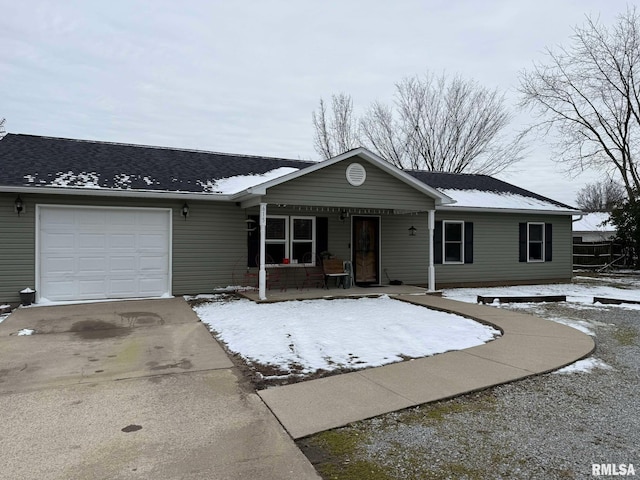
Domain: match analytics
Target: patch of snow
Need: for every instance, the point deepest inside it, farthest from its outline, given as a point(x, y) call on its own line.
point(334, 334)
point(504, 200)
point(585, 366)
point(82, 179)
point(3, 317)
point(43, 301)
point(26, 331)
point(27, 290)
point(242, 182)
point(581, 293)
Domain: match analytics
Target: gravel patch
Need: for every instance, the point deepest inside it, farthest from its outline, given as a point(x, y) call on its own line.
point(553, 426)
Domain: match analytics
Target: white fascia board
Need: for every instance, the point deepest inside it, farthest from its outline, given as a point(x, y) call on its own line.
point(453, 208)
point(261, 189)
point(108, 192)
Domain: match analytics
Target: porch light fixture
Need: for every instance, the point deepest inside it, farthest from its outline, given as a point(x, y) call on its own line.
point(19, 204)
point(185, 210)
point(412, 231)
point(343, 215)
point(251, 225)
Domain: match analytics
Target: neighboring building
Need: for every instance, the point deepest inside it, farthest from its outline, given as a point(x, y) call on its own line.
point(92, 220)
point(594, 244)
point(593, 228)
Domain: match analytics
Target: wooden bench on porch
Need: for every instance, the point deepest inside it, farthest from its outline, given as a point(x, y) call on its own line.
point(334, 268)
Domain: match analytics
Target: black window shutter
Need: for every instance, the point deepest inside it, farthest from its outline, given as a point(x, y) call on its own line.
point(548, 242)
point(322, 235)
point(253, 242)
point(523, 242)
point(468, 242)
point(437, 243)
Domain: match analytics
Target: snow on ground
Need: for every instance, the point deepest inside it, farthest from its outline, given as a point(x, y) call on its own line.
point(585, 366)
point(26, 331)
point(581, 292)
point(3, 317)
point(331, 334)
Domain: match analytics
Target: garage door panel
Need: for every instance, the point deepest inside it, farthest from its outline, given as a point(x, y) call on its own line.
point(94, 253)
point(151, 241)
point(93, 265)
point(147, 285)
point(123, 265)
point(58, 241)
point(123, 241)
point(152, 263)
point(94, 288)
point(58, 266)
point(92, 240)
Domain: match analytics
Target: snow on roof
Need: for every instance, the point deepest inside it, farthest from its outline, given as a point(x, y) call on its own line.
point(499, 200)
point(238, 183)
point(123, 181)
point(593, 222)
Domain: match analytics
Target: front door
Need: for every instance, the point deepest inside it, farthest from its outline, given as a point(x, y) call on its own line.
point(366, 249)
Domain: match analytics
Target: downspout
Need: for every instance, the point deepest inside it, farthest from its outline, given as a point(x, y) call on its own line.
point(262, 274)
point(432, 269)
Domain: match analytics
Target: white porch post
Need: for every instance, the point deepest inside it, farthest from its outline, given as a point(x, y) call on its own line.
point(432, 269)
point(262, 275)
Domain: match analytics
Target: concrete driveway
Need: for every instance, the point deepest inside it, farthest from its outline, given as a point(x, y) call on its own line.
point(132, 389)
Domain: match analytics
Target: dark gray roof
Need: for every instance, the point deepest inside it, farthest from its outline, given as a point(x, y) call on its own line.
point(35, 161)
point(29, 160)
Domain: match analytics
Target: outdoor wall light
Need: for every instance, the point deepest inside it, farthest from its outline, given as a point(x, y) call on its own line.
point(343, 215)
point(19, 204)
point(185, 210)
point(412, 231)
point(251, 225)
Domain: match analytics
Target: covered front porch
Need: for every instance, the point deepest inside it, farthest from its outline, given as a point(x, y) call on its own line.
point(356, 208)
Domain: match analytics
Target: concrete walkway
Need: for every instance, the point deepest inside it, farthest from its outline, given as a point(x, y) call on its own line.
point(529, 346)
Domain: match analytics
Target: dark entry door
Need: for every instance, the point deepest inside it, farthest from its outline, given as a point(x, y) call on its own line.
point(366, 248)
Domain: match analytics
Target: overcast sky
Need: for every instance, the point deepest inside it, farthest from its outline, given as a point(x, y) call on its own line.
point(244, 77)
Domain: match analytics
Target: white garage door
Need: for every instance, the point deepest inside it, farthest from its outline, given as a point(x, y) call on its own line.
point(97, 253)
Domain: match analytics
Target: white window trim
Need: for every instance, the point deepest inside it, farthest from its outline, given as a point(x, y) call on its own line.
point(289, 240)
point(444, 243)
point(278, 241)
point(312, 241)
point(542, 252)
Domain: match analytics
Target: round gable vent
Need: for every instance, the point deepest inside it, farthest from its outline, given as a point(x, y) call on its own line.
point(356, 174)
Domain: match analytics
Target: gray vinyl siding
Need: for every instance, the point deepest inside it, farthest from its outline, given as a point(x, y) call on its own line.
point(17, 247)
point(329, 187)
point(405, 257)
point(205, 247)
point(496, 247)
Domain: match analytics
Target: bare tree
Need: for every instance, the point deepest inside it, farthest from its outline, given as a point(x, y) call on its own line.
point(2, 130)
point(601, 196)
point(436, 123)
point(590, 93)
point(335, 132)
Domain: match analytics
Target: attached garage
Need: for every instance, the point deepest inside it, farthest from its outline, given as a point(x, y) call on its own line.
point(90, 253)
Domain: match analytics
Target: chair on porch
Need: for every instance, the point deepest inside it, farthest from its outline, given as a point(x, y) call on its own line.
point(274, 279)
point(314, 275)
point(334, 268)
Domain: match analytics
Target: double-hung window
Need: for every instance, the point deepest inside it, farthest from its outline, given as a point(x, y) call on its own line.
point(290, 238)
point(303, 234)
point(277, 239)
point(453, 242)
point(535, 242)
